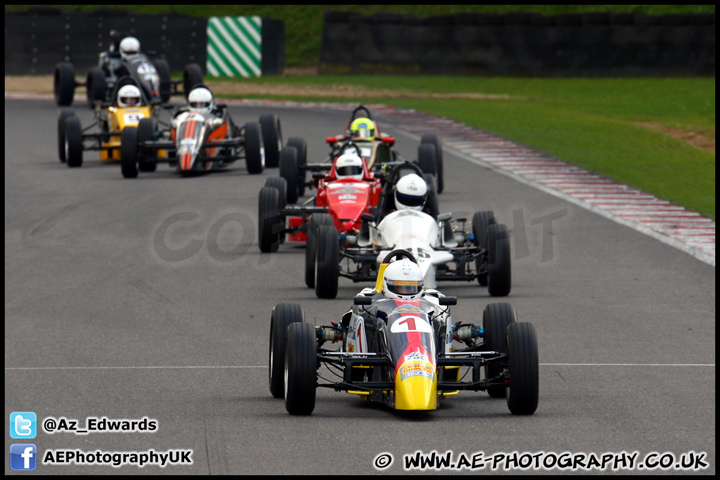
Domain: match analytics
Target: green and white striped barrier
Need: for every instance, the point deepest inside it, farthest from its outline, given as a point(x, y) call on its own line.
point(234, 46)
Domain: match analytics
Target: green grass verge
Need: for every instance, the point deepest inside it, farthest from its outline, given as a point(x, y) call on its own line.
point(588, 122)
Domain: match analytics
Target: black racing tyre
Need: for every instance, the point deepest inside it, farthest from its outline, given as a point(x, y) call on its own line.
point(499, 272)
point(523, 366)
point(147, 158)
point(433, 139)
point(283, 314)
point(163, 69)
point(269, 219)
point(272, 138)
point(129, 152)
point(314, 222)
point(427, 159)
point(480, 222)
point(64, 84)
point(192, 76)
point(431, 203)
point(301, 146)
point(96, 86)
point(254, 160)
point(73, 142)
point(289, 171)
point(61, 133)
point(300, 369)
point(327, 262)
point(281, 185)
point(496, 318)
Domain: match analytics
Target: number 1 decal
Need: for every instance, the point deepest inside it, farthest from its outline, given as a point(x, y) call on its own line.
point(408, 324)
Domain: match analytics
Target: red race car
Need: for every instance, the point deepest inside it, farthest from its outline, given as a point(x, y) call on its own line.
point(344, 193)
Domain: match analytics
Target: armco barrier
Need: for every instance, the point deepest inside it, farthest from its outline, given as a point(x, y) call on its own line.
point(37, 39)
point(519, 44)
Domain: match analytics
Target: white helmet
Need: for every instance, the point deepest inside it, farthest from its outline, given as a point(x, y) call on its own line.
point(349, 165)
point(129, 46)
point(129, 96)
point(410, 192)
point(402, 279)
point(201, 99)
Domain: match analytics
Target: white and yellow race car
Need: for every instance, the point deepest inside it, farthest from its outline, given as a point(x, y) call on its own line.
point(104, 134)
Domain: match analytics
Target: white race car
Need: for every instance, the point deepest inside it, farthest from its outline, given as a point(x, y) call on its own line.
point(445, 249)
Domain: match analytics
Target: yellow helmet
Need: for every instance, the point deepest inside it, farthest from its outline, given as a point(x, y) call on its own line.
point(362, 128)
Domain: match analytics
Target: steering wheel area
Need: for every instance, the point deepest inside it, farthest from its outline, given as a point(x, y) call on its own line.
point(399, 254)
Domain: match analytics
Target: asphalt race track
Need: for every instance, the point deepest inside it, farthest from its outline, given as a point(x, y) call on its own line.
point(100, 321)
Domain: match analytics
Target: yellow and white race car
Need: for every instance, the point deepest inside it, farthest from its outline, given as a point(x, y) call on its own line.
point(104, 134)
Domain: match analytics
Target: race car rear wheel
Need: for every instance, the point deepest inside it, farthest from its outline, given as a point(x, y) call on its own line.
point(522, 347)
point(432, 139)
point(315, 221)
point(272, 138)
point(96, 86)
point(480, 222)
point(163, 69)
point(282, 316)
point(61, 133)
point(269, 219)
point(254, 160)
point(289, 171)
point(300, 369)
point(496, 318)
point(147, 158)
point(73, 142)
point(301, 146)
point(64, 84)
point(499, 274)
point(129, 152)
point(427, 160)
point(192, 76)
point(431, 204)
point(327, 262)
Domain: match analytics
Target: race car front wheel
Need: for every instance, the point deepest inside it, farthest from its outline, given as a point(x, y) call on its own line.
point(300, 369)
point(522, 347)
point(269, 220)
point(73, 142)
point(62, 116)
point(496, 318)
point(147, 159)
point(289, 171)
point(282, 316)
point(327, 262)
point(129, 152)
point(272, 139)
point(254, 160)
point(499, 275)
point(316, 220)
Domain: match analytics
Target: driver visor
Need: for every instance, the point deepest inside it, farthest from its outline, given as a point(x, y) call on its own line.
point(410, 200)
point(130, 100)
point(199, 104)
point(404, 287)
point(348, 170)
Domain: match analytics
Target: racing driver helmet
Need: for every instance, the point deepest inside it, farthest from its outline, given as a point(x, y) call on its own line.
point(349, 165)
point(129, 46)
point(402, 279)
point(362, 129)
point(410, 193)
point(128, 96)
point(200, 99)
